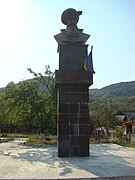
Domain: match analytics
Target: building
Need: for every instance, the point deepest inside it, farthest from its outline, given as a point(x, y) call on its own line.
point(128, 120)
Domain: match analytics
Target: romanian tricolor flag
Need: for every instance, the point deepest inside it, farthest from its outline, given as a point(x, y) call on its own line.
point(88, 63)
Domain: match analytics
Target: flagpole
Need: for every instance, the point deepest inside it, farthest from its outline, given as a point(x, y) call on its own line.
point(91, 47)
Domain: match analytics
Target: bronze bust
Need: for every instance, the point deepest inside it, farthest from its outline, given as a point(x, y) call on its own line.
point(71, 34)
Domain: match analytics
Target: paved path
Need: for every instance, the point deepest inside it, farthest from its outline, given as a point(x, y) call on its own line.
point(18, 161)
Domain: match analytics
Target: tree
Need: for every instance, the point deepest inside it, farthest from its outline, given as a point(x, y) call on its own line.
point(8, 109)
point(25, 100)
point(103, 112)
point(28, 107)
point(119, 130)
point(47, 117)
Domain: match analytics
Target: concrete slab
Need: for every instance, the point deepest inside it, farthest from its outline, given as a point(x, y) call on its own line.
point(106, 161)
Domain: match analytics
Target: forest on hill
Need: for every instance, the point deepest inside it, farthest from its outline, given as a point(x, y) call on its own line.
point(115, 90)
point(30, 106)
point(119, 96)
point(121, 89)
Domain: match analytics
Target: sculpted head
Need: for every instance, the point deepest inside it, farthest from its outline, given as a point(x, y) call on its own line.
point(70, 16)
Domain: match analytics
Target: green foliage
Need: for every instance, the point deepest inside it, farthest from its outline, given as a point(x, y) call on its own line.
point(30, 106)
point(36, 140)
point(8, 110)
point(124, 144)
point(105, 102)
point(49, 99)
point(119, 130)
point(115, 90)
point(24, 108)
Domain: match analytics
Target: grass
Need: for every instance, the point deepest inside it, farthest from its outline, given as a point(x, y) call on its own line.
point(116, 141)
point(37, 140)
point(6, 140)
point(124, 144)
point(10, 137)
point(34, 139)
point(18, 135)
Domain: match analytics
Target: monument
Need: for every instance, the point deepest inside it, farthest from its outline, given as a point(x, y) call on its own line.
point(72, 82)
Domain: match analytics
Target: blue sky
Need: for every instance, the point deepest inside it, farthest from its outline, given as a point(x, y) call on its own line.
point(27, 28)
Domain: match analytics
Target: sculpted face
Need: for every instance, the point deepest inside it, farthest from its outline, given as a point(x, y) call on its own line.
point(71, 21)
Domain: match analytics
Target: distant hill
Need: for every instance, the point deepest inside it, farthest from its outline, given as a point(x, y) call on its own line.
point(120, 96)
point(115, 90)
point(2, 90)
point(41, 87)
point(118, 89)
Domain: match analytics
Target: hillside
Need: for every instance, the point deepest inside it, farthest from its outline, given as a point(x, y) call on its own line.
point(2, 90)
point(115, 90)
point(118, 89)
point(120, 96)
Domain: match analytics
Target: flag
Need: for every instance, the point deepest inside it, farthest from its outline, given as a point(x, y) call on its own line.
point(88, 63)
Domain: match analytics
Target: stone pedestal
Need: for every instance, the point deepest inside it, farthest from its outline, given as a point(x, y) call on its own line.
point(71, 56)
point(72, 83)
